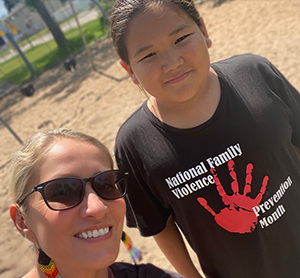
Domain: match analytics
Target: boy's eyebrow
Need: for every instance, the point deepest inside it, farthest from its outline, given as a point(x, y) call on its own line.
point(142, 49)
point(178, 29)
point(174, 32)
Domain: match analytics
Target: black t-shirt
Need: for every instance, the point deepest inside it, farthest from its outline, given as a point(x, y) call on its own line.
point(125, 270)
point(244, 222)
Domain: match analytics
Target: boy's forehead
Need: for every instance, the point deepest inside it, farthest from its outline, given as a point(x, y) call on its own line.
point(155, 23)
point(159, 9)
point(156, 18)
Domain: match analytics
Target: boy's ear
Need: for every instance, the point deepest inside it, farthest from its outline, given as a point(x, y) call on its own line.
point(205, 33)
point(130, 72)
point(20, 222)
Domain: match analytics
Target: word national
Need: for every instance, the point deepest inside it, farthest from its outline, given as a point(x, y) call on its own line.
point(182, 177)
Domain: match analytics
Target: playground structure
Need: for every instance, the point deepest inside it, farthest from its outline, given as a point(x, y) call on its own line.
point(69, 64)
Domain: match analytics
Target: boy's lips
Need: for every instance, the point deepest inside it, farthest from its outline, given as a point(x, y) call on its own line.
point(177, 78)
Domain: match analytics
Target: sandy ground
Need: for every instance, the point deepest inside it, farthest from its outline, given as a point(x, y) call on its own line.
point(97, 100)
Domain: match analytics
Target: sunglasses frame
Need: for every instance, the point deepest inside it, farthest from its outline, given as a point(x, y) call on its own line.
point(40, 188)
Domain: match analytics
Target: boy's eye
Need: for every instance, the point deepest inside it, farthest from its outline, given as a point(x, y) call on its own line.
point(148, 56)
point(181, 38)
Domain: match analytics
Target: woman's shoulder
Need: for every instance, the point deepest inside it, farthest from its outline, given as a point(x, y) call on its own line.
point(126, 270)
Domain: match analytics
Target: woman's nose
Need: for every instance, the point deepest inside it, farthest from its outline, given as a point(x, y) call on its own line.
point(92, 204)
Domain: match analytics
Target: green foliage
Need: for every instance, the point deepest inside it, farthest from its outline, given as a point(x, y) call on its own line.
point(9, 4)
point(104, 23)
point(30, 3)
point(46, 55)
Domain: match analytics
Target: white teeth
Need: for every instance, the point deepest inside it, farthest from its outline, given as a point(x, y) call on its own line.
point(102, 232)
point(94, 233)
point(84, 235)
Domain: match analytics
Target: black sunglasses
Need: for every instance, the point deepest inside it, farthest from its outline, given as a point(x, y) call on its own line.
point(65, 193)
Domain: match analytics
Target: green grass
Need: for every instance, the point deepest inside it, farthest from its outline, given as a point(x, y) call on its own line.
point(4, 52)
point(33, 37)
point(44, 56)
point(43, 32)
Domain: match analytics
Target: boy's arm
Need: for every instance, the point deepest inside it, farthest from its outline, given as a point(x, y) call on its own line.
point(172, 245)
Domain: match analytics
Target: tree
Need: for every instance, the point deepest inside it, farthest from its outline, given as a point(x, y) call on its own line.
point(43, 12)
point(51, 24)
point(9, 4)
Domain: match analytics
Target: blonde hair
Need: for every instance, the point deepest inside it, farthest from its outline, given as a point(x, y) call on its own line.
point(25, 160)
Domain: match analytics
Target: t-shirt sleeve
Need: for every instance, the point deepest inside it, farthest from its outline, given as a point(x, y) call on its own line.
point(248, 70)
point(291, 97)
point(144, 211)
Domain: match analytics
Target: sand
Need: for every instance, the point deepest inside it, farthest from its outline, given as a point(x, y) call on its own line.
point(97, 99)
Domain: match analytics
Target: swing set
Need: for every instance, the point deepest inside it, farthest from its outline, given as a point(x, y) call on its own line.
point(68, 63)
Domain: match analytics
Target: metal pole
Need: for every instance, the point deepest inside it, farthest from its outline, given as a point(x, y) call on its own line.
point(101, 9)
point(109, 2)
point(10, 129)
point(11, 39)
point(81, 33)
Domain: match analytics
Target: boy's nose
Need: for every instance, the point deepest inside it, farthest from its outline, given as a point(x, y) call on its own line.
point(171, 61)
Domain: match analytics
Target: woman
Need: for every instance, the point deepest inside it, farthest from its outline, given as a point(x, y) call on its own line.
point(68, 202)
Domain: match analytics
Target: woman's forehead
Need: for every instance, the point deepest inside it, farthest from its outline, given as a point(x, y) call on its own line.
point(70, 157)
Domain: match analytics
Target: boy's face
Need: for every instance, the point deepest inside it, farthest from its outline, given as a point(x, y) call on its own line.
point(168, 54)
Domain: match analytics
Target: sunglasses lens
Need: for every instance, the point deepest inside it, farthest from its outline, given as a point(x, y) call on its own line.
point(63, 193)
point(108, 185)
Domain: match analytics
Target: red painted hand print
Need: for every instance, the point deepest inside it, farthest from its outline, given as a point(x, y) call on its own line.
point(237, 216)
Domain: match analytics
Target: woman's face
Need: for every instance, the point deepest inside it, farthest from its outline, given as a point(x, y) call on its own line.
point(59, 233)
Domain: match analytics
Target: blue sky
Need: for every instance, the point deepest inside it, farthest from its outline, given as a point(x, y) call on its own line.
point(2, 9)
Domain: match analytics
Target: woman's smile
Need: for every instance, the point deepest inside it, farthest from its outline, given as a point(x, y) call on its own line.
point(93, 233)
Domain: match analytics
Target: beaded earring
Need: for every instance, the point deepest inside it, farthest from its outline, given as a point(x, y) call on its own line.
point(135, 253)
point(47, 265)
